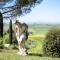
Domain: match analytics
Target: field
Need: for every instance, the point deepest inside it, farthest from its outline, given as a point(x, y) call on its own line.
point(35, 44)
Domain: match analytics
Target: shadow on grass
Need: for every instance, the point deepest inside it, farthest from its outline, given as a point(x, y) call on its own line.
point(35, 54)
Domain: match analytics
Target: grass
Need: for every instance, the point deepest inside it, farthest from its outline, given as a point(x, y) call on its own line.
point(12, 55)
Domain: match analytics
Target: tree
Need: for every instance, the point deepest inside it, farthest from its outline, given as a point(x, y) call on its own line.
point(10, 32)
point(1, 25)
point(20, 7)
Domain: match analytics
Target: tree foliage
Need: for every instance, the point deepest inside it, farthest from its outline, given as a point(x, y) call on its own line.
point(20, 7)
point(24, 6)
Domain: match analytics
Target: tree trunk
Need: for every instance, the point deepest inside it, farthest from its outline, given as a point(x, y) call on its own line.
point(1, 25)
point(10, 32)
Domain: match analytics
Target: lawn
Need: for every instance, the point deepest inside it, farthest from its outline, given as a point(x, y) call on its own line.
point(12, 55)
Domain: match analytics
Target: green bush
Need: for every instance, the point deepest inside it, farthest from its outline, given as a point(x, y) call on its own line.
point(51, 45)
point(14, 41)
point(1, 43)
point(14, 46)
point(6, 39)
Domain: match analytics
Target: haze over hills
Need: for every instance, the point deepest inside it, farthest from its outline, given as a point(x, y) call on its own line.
point(31, 25)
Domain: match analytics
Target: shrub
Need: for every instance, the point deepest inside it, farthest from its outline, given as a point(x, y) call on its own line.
point(51, 45)
point(6, 39)
point(1, 43)
point(14, 46)
point(14, 41)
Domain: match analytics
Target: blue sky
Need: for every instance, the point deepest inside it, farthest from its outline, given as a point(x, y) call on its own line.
point(47, 12)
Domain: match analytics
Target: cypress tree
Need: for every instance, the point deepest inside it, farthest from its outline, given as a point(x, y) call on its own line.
point(10, 32)
point(1, 25)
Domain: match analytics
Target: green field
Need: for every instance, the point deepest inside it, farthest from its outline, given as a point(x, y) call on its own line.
point(35, 48)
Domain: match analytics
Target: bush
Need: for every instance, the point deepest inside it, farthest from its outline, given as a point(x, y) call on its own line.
point(14, 46)
point(1, 43)
point(6, 39)
point(14, 41)
point(51, 45)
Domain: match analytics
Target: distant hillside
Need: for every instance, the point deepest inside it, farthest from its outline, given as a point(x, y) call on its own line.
point(36, 28)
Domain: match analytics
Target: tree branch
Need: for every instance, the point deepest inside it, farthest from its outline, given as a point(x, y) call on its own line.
point(12, 9)
point(8, 7)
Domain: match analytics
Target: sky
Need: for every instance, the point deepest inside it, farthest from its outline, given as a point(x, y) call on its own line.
point(46, 12)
